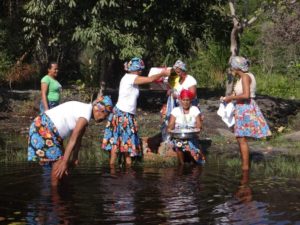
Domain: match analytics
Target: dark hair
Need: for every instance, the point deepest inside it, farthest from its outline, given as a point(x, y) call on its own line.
point(49, 64)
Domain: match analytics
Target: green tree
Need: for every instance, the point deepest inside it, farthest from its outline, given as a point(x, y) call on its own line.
point(159, 31)
point(49, 27)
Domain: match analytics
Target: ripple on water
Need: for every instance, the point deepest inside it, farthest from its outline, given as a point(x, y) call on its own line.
point(180, 195)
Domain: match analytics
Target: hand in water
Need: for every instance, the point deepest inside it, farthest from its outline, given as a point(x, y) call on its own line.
point(61, 168)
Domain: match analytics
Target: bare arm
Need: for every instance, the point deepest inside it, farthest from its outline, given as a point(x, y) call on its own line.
point(193, 89)
point(198, 122)
point(44, 90)
point(171, 124)
point(75, 154)
point(145, 80)
point(74, 140)
point(246, 80)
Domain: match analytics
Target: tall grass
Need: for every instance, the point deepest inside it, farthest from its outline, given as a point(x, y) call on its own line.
point(278, 85)
point(281, 166)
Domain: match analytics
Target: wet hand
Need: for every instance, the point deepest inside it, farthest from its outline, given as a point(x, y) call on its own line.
point(61, 169)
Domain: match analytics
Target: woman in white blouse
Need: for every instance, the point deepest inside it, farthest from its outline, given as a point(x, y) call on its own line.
point(121, 132)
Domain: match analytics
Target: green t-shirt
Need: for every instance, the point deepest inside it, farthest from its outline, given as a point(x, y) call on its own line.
point(54, 88)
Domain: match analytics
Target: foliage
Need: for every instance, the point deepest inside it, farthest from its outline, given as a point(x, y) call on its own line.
point(91, 39)
point(153, 30)
point(278, 85)
point(207, 63)
point(48, 30)
point(5, 63)
point(5, 53)
point(280, 37)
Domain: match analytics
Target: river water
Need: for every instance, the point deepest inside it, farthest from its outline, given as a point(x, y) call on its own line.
point(180, 195)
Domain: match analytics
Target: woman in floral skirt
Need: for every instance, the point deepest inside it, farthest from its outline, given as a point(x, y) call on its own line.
point(121, 132)
point(49, 129)
point(249, 120)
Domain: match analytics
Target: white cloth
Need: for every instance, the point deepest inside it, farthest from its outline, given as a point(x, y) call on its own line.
point(65, 116)
point(185, 120)
point(128, 94)
point(238, 87)
point(187, 83)
point(226, 112)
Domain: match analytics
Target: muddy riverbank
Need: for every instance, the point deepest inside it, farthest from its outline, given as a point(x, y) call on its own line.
point(18, 108)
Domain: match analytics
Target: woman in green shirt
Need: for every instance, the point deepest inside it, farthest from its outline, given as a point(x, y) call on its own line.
point(50, 88)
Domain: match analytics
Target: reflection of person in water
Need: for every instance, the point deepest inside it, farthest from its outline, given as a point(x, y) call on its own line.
point(244, 192)
point(181, 189)
point(119, 203)
point(242, 209)
point(49, 208)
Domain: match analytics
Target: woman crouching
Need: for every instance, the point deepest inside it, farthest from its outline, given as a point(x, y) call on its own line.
point(182, 117)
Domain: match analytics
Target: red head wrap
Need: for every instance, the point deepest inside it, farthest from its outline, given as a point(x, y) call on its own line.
point(186, 94)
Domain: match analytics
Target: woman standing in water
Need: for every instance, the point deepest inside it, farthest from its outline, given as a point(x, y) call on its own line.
point(249, 120)
point(50, 88)
point(183, 116)
point(121, 132)
point(49, 129)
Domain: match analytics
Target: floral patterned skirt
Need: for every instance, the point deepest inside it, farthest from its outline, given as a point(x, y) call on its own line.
point(121, 133)
point(44, 143)
point(249, 120)
point(189, 145)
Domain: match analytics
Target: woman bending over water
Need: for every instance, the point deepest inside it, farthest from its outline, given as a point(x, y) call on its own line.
point(49, 129)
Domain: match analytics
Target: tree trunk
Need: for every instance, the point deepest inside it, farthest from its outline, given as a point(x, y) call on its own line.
point(102, 80)
point(237, 30)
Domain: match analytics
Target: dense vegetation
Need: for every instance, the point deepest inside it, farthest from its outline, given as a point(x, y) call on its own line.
point(91, 40)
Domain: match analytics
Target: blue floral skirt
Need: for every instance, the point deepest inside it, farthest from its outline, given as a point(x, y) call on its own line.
point(121, 133)
point(189, 145)
point(44, 143)
point(249, 120)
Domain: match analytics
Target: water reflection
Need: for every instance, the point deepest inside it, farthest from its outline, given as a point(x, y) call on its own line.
point(48, 207)
point(120, 188)
point(242, 209)
point(166, 195)
point(180, 190)
point(180, 195)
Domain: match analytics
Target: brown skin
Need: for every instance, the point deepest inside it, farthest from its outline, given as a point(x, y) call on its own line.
point(60, 167)
point(182, 74)
point(146, 80)
point(244, 193)
point(139, 80)
point(186, 104)
point(52, 72)
point(242, 141)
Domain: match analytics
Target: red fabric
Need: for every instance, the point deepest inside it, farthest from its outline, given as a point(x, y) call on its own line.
point(186, 94)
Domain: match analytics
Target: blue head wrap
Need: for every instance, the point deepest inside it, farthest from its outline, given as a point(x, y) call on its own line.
point(239, 62)
point(104, 102)
point(179, 64)
point(135, 64)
